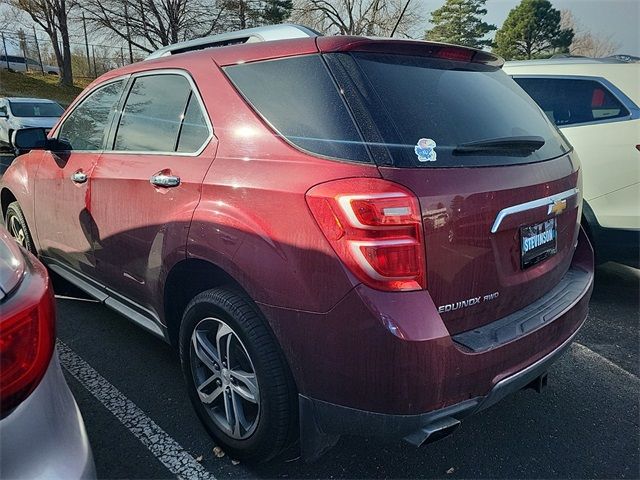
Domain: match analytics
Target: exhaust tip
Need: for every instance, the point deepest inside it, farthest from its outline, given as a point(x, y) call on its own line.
point(539, 383)
point(433, 432)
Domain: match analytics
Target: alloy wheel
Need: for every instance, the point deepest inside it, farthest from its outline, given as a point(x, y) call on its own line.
point(225, 378)
point(17, 231)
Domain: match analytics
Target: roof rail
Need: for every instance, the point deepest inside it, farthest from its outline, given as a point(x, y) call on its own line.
point(249, 35)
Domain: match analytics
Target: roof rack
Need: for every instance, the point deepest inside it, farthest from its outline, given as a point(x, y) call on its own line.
point(249, 35)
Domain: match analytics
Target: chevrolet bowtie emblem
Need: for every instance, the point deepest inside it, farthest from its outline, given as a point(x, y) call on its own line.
point(557, 207)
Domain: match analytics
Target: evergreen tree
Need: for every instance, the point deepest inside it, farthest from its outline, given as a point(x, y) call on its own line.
point(532, 30)
point(460, 22)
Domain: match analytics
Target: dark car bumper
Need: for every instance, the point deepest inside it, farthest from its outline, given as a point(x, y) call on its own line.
point(617, 245)
point(612, 244)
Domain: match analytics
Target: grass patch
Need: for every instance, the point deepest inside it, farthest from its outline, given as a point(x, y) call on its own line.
point(37, 85)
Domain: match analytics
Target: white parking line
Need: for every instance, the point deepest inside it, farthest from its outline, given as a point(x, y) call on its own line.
point(587, 352)
point(160, 444)
point(77, 299)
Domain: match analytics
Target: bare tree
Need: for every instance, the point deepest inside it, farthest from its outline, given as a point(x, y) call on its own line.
point(357, 17)
point(151, 24)
point(586, 43)
point(53, 16)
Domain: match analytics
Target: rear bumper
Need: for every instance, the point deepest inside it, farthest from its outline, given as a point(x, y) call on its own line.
point(323, 422)
point(391, 353)
point(44, 437)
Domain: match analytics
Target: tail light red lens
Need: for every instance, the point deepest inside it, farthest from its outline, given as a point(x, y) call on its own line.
point(26, 345)
point(375, 228)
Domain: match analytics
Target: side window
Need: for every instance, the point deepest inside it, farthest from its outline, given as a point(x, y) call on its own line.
point(85, 128)
point(194, 129)
point(569, 101)
point(153, 113)
point(302, 104)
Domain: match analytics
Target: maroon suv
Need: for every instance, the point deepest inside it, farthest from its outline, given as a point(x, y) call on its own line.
point(340, 234)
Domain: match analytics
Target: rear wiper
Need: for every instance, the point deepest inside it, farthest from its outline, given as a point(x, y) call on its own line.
point(524, 145)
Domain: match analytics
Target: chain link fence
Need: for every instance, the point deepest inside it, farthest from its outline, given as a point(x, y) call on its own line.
point(25, 51)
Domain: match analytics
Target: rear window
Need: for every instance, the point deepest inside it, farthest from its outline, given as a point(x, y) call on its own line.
point(298, 97)
point(399, 110)
point(36, 109)
point(428, 111)
point(570, 101)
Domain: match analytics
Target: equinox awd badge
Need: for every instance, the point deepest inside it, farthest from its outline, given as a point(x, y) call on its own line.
point(470, 302)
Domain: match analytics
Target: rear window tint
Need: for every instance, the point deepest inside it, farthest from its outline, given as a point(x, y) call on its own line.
point(299, 99)
point(569, 101)
point(36, 109)
point(425, 109)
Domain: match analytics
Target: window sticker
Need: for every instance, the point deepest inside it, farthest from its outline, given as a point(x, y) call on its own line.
point(425, 150)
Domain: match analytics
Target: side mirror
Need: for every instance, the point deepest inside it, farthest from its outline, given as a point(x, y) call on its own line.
point(3, 113)
point(26, 139)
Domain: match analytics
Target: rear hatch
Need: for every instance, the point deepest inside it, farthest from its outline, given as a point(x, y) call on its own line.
point(497, 183)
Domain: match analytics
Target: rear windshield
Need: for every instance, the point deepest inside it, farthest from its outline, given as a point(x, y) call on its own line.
point(399, 110)
point(440, 113)
point(36, 109)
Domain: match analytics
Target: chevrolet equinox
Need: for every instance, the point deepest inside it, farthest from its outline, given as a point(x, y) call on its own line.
point(338, 234)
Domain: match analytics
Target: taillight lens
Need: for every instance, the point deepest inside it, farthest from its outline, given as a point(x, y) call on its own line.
point(375, 228)
point(26, 345)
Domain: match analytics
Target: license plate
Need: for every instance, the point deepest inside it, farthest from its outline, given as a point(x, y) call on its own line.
point(538, 242)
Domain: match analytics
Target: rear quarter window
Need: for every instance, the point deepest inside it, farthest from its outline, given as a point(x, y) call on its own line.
point(570, 101)
point(299, 99)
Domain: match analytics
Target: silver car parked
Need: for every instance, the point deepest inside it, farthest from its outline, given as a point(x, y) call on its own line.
point(42, 434)
point(16, 113)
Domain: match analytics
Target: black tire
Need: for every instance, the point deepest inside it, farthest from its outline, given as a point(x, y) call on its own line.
point(13, 220)
point(276, 424)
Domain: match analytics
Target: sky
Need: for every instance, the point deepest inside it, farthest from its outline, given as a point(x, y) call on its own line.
point(618, 18)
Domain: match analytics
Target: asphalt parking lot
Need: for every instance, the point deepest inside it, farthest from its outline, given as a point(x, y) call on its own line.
point(584, 425)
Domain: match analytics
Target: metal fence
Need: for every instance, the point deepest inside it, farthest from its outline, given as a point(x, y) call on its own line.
point(32, 51)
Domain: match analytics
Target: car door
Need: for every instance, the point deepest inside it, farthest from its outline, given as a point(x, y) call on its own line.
point(64, 223)
point(145, 190)
point(602, 124)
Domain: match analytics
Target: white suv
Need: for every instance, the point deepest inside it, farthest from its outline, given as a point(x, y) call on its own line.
point(595, 104)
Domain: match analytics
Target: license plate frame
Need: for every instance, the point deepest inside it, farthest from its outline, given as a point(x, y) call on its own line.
point(538, 242)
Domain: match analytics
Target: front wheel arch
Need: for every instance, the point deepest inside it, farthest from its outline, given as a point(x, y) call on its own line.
point(6, 198)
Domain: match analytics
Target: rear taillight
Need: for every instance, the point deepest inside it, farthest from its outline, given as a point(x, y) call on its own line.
point(375, 228)
point(27, 340)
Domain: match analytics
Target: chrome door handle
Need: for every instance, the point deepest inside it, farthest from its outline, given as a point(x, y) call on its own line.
point(79, 177)
point(166, 181)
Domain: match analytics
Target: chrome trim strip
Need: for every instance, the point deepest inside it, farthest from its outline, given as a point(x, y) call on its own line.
point(523, 207)
point(131, 310)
